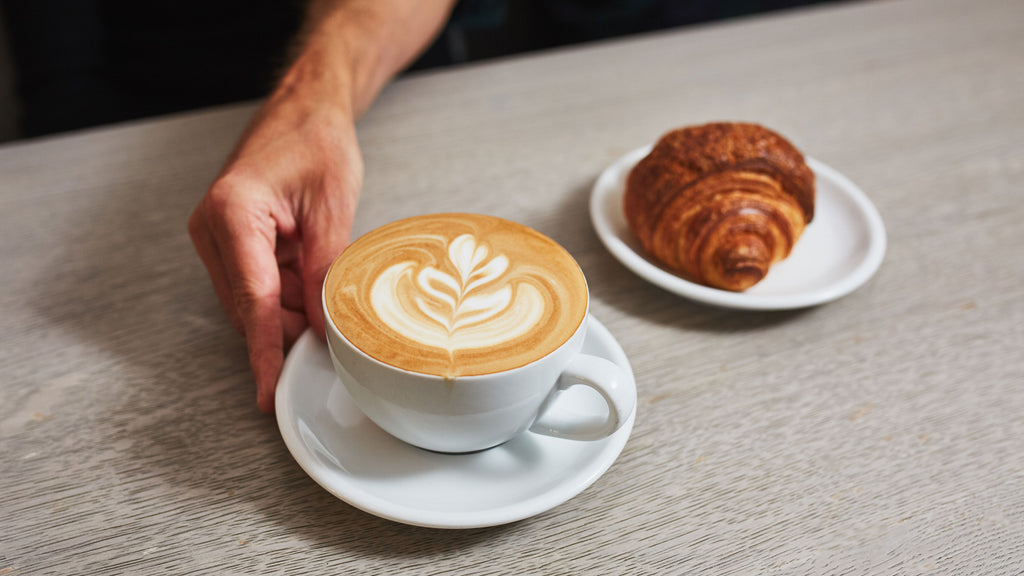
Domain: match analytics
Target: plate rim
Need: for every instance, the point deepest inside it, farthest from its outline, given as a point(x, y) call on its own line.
point(354, 494)
point(641, 265)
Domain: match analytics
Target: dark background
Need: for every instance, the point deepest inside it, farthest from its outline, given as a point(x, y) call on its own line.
point(81, 63)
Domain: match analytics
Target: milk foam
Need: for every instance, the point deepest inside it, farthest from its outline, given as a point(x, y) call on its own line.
point(479, 307)
point(456, 294)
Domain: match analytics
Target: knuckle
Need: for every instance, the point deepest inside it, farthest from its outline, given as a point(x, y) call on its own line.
point(252, 293)
point(231, 202)
point(222, 196)
point(196, 223)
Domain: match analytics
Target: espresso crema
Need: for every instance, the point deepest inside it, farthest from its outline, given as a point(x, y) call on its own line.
point(456, 294)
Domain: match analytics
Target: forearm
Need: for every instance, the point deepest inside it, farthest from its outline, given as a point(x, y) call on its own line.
point(349, 49)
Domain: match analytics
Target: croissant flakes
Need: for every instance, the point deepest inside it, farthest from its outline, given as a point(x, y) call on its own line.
point(720, 203)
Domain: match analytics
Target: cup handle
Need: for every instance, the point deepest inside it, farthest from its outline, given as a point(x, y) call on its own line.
point(603, 376)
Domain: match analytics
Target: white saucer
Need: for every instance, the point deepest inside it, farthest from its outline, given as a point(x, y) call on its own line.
point(838, 251)
point(353, 459)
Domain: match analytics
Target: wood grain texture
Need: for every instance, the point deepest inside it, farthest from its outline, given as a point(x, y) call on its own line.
point(879, 434)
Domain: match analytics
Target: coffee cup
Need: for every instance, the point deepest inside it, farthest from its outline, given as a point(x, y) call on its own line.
point(458, 332)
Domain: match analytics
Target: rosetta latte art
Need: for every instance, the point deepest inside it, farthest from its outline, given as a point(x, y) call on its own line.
point(456, 294)
point(477, 307)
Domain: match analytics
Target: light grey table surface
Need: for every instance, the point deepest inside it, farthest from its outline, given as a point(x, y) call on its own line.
point(881, 433)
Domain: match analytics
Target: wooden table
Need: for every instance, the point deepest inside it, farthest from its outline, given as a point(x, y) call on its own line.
point(881, 433)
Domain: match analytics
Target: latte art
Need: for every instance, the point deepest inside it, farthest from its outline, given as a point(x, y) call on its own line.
point(456, 294)
point(473, 308)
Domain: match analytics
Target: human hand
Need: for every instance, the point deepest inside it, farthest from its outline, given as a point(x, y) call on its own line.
point(281, 209)
point(275, 218)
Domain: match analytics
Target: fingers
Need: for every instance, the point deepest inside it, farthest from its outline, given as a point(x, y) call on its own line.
point(270, 227)
point(326, 228)
point(206, 247)
point(292, 294)
point(293, 307)
point(294, 324)
point(245, 235)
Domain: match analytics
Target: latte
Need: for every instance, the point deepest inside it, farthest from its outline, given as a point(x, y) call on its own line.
point(456, 295)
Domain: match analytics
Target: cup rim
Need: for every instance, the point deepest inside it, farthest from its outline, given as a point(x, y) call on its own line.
point(330, 325)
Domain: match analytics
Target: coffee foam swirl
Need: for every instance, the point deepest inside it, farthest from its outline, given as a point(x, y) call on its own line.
point(473, 308)
point(456, 294)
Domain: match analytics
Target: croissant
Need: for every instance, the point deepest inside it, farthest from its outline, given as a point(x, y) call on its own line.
point(720, 203)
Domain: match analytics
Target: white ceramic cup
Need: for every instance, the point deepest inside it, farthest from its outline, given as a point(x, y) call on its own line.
point(471, 413)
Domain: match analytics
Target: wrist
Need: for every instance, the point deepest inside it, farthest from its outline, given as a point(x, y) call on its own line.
point(318, 80)
point(341, 60)
point(351, 48)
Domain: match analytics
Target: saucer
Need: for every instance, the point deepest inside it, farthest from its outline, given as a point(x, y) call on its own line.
point(347, 454)
point(838, 251)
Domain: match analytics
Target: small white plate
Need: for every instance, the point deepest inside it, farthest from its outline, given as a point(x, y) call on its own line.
point(353, 459)
point(838, 251)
